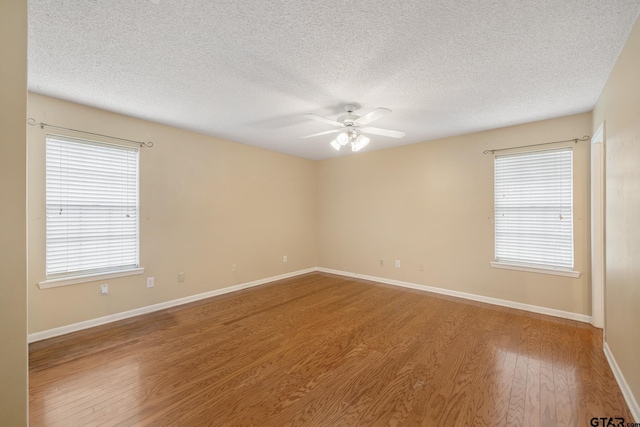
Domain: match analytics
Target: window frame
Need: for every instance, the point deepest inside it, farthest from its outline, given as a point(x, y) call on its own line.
point(88, 275)
point(537, 267)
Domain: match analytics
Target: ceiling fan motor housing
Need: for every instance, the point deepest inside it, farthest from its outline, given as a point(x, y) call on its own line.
point(349, 117)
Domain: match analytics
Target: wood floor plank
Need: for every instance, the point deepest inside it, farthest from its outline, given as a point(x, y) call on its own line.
point(455, 395)
point(517, 398)
point(549, 353)
point(533, 349)
point(321, 349)
point(484, 405)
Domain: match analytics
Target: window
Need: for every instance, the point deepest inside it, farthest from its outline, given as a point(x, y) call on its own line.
point(92, 208)
point(534, 209)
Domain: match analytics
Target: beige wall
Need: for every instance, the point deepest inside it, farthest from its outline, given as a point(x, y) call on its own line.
point(619, 107)
point(13, 251)
point(432, 203)
point(205, 203)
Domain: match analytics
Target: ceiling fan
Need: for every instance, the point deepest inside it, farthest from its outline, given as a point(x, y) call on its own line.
point(351, 127)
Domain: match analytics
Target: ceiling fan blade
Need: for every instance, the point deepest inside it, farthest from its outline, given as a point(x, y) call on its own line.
point(383, 132)
point(372, 115)
point(321, 133)
point(323, 119)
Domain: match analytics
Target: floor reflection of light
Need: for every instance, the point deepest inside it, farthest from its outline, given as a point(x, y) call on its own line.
point(543, 369)
point(538, 355)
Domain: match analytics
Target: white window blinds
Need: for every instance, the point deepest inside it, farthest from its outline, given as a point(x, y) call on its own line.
point(92, 207)
point(534, 208)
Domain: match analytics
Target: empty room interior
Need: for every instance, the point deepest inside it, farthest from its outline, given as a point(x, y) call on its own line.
point(332, 214)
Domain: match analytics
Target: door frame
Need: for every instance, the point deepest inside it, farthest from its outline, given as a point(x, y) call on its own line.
point(598, 227)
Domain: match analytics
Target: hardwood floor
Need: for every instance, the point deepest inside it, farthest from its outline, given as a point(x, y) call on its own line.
point(324, 350)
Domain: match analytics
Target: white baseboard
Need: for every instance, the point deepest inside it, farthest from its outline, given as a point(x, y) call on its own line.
point(622, 382)
point(50, 333)
point(338, 272)
point(474, 297)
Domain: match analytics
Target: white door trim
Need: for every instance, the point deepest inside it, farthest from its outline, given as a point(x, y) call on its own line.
point(597, 227)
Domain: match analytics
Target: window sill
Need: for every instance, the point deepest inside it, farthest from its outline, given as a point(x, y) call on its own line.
point(64, 281)
point(530, 269)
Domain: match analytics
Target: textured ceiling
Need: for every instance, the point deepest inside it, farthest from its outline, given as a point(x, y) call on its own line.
point(248, 70)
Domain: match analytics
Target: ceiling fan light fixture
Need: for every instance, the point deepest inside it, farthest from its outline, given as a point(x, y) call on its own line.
point(335, 145)
point(359, 143)
point(342, 138)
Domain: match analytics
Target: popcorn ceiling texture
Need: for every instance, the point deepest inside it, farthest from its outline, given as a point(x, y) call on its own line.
point(248, 70)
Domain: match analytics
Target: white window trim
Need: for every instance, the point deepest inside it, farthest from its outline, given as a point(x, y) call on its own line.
point(541, 268)
point(74, 280)
point(535, 269)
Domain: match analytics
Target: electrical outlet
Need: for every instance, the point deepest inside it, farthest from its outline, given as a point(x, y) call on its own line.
point(284, 258)
point(234, 267)
point(104, 289)
point(180, 277)
point(150, 282)
point(397, 263)
point(381, 263)
point(421, 266)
